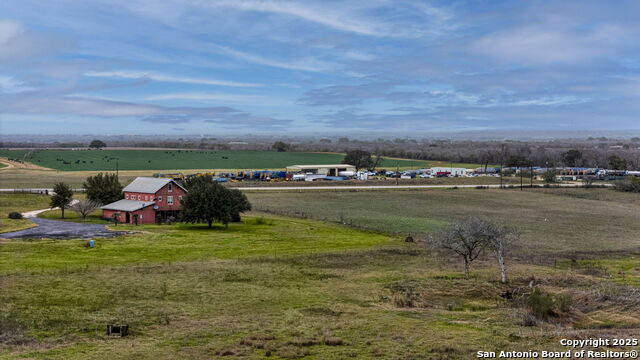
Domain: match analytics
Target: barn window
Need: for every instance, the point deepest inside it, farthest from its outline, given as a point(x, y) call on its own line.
point(170, 200)
point(126, 196)
point(139, 197)
point(159, 198)
point(170, 187)
point(146, 197)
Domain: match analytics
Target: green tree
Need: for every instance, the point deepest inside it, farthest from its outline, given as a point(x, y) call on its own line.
point(549, 176)
point(281, 146)
point(62, 196)
point(240, 204)
point(361, 159)
point(97, 144)
point(572, 157)
point(208, 201)
point(103, 188)
point(617, 163)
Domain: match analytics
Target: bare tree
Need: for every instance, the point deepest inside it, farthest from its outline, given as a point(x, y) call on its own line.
point(499, 240)
point(462, 237)
point(85, 207)
point(471, 236)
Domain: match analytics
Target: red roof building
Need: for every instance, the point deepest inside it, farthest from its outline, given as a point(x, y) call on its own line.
point(147, 200)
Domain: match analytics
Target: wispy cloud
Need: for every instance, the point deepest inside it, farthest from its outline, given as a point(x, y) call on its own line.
point(132, 74)
point(223, 98)
point(306, 64)
point(327, 15)
point(11, 85)
point(227, 117)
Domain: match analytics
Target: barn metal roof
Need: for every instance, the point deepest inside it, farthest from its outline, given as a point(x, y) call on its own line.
point(127, 205)
point(148, 185)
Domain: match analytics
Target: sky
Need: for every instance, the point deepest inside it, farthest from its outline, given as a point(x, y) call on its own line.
point(341, 67)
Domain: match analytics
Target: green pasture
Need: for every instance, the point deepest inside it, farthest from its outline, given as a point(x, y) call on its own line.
point(108, 160)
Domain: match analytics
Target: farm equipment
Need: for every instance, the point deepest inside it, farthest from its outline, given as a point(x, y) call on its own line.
point(174, 176)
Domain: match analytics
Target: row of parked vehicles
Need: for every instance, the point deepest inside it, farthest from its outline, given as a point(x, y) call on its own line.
point(273, 175)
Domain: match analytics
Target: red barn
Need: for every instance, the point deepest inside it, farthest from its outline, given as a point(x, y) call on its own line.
point(147, 200)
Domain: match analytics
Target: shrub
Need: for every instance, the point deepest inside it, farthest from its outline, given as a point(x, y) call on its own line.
point(263, 221)
point(632, 184)
point(525, 318)
point(540, 303)
point(563, 302)
point(15, 215)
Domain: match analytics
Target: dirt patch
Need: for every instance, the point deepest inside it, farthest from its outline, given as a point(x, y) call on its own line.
point(20, 165)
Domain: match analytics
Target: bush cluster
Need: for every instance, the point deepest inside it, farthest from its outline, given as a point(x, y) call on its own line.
point(543, 305)
point(15, 215)
point(632, 184)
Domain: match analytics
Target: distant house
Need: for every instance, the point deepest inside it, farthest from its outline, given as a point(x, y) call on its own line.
point(147, 200)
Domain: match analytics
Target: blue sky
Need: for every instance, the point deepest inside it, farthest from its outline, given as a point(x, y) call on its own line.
point(226, 67)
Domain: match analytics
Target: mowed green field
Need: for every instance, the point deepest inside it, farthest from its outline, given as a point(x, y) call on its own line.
point(106, 160)
point(291, 288)
point(19, 203)
point(557, 221)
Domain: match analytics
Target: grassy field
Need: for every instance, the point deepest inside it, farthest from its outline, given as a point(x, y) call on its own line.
point(19, 203)
point(106, 160)
point(69, 215)
point(289, 288)
point(554, 221)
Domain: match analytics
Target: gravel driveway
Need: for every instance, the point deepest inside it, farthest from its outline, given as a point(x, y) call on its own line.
point(61, 230)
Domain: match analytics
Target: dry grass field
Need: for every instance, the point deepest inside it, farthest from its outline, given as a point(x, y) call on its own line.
point(553, 221)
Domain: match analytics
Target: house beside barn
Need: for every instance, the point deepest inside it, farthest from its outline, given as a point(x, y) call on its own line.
point(147, 200)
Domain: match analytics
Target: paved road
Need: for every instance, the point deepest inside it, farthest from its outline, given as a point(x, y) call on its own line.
point(34, 213)
point(372, 187)
point(347, 187)
point(61, 230)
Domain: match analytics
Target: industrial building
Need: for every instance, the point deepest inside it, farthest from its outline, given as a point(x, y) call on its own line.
point(328, 170)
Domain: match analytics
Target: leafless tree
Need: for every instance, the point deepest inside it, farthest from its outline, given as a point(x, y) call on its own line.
point(85, 207)
point(499, 240)
point(463, 238)
point(471, 236)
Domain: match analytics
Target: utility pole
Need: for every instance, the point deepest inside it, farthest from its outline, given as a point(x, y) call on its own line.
point(501, 163)
point(116, 168)
point(397, 172)
point(520, 168)
point(530, 174)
